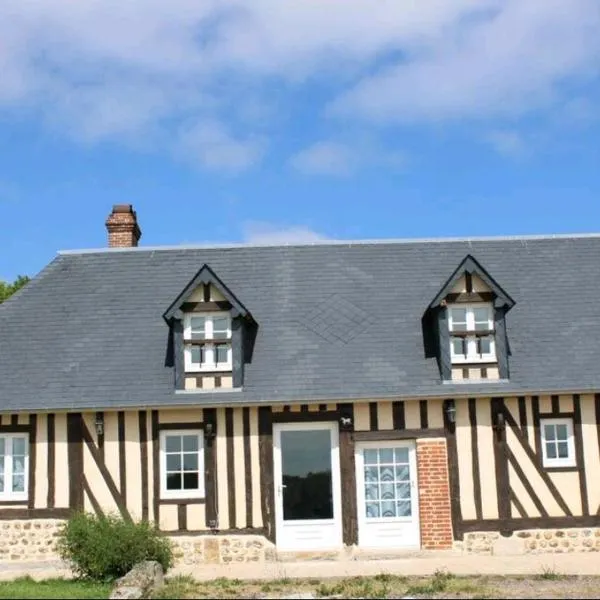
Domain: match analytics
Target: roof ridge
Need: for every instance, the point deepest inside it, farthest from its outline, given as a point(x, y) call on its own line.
point(333, 242)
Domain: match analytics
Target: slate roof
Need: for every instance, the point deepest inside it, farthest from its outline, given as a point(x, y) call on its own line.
point(336, 321)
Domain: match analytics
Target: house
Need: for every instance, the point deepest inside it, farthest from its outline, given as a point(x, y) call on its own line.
point(386, 395)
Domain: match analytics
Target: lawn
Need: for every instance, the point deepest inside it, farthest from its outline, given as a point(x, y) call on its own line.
point(547, 584)
point(25, 587)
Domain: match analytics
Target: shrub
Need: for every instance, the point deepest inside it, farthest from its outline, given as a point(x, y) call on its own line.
point(106, 547)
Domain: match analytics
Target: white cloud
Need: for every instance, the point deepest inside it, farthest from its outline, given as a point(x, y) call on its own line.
point(259, 232)
point(509, 143)
point(209, 145)
point(137, 70)
point(325, 158)
point(328, 157)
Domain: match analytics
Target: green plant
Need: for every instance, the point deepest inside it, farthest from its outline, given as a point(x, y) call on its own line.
point(550, 574)
point(104, 548)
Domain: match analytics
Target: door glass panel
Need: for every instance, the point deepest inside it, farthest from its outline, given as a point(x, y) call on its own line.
point(306, 474)
point(387, 485)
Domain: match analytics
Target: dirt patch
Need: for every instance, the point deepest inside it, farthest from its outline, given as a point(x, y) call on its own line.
point(547, 584)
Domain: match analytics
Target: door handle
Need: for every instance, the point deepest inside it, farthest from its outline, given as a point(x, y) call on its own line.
point(280, 488)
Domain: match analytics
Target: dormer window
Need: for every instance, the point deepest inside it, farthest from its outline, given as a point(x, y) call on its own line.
point(471, 329)
point(207, 342)
point(465, 326)
point(212, 335)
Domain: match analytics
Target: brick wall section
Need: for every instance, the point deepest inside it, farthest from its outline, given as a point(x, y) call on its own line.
point(434, 495)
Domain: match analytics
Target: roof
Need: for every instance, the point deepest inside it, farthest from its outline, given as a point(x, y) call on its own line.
point(335, 321)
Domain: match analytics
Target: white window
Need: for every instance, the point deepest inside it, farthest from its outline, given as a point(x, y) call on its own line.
point(182, 464)
point(14, 466)
point(211, 334)
point(473, 329)
point(558, 446)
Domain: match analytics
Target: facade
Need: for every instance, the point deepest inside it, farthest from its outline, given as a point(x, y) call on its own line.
point(252, 400)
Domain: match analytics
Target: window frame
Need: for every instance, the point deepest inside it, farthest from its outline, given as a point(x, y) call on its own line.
point(200, 492)
point(471, 336)
point(11, 496)
point(208, 343)
point(571, 459)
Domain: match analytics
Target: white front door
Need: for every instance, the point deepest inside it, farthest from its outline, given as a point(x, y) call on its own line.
point(387, 502)
point(307, 486)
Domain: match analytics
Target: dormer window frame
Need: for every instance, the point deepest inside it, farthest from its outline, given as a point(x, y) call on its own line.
point(209, 346)
point(470, 336)
point(438, 330)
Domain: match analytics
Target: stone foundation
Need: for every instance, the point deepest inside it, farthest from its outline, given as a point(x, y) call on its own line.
point(33, 539)
point(532, 541)
point(220, 549)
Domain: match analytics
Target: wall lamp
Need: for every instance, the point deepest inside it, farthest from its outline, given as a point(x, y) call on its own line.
point(99, 423)
point(209, 431)
point(450, 410)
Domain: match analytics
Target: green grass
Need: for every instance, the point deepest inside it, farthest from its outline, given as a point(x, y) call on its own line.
point(550, 574)
point(25, 587)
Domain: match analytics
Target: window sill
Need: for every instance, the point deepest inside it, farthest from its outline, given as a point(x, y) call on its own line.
point(9, 500)
point(212, 370)
point(470, 360)
point(213, 391)
point(182, 500)
point(474, 381)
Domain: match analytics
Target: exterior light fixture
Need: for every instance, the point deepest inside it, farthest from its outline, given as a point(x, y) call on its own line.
point(99, 423)
point(450, 410)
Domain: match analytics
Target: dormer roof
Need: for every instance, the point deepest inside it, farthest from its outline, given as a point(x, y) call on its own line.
point(469, 268)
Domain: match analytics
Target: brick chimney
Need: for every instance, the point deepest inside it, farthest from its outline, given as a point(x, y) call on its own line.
point(122, 226)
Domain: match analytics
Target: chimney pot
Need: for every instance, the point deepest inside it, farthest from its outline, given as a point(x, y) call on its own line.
point(122, 226)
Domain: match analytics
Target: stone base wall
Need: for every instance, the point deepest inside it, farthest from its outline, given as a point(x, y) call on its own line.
point(532, 541)
point(33, 539)
point(220, 549)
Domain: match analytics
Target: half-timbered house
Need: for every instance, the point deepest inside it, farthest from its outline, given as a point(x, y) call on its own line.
point(396, 395)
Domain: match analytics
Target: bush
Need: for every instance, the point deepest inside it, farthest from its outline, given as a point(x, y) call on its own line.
point(105, 548)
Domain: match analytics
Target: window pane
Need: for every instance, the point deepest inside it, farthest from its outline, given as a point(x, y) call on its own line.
point(371, 474)
point(372, 510)
point(563, 450)
point(401, 455)
point(386, 455)
point(190, 462)
point(459, 318)
point(198, 328)
point(402, 473)
point(403, 509)
point(482, 318)
point(197, 355)
point(459, 346)
point(485, 345)
point(18, 446)
point(2, 445)
point(2, 482)
point(551, 450)
point(190, 481)
point(387, 491)
point(386, 473)
point(18, 483)
point(173, 443)
point(18, 464)
point(220, 327)
point(174, 481)
point(549, 432)
point(561, 432)
point(402, 491)
point(371, 491)
point(222, 354)
point(370, 457)
point(388, 509)
point(173, 462)
point(190, 443)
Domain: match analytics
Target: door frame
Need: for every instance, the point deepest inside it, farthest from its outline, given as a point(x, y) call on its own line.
point(360, 492)
point(336, 484)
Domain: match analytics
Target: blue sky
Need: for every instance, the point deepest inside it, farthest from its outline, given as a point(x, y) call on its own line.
point(295, 121)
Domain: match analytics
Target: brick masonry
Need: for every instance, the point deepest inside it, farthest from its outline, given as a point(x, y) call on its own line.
point(434, 495)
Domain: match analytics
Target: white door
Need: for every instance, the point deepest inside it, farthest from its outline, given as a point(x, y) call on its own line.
point(388, 503)
point(307, 486)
